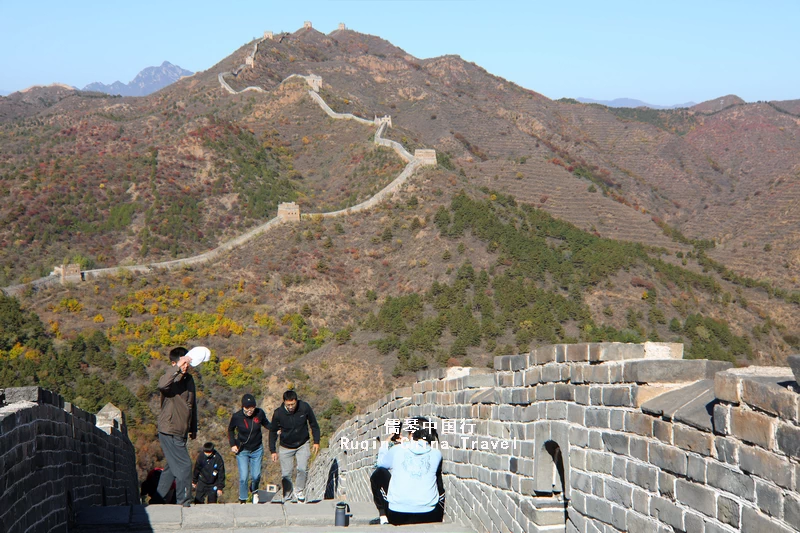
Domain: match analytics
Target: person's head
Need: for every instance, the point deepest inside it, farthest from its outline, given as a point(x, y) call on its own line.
point(175, 354)
point(249, 404)
point(290, 400)
point(424, 430)
point(399, 435)
point(208, 449)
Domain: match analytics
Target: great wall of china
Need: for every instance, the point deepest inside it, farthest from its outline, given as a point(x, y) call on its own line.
point(567, 438)
point(578, 438)
point(421, 158)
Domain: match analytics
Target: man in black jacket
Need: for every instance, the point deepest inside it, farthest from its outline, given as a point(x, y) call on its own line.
point(244, 435)
point(293, 419)
point(209, 475)
point(176, 421)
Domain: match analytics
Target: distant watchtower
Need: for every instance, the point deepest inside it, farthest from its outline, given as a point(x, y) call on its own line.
point(68, 273)
point(269, 35)
point(307, 25)
point(315, 82)
point(288, 211)
point(342, 26)
point(249, 61)
point(425, 156)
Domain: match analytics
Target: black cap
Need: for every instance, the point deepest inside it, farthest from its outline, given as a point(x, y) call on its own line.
point(248, 400)
point(208, 447)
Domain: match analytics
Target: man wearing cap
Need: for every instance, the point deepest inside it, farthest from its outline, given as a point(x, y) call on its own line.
point(244, 434)
point(293, 419)
point(176, 421)
point(209, 475)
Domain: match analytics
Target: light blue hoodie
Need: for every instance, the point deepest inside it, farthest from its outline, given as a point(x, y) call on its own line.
point(413, 465)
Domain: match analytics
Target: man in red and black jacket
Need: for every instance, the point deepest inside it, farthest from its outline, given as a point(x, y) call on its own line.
point(293, 419)
point(244, 434)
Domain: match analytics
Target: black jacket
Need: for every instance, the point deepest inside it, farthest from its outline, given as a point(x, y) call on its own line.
point(248, 429)
point(210, 470)
point(178, 414)
point(293, 427)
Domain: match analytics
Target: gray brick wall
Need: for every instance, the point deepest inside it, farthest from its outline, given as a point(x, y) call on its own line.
point(54, 460)
point(648, 442)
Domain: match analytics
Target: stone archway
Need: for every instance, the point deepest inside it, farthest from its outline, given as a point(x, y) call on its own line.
point(551, 460)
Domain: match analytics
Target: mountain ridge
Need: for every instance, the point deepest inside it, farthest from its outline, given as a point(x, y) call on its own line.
point(632, 102)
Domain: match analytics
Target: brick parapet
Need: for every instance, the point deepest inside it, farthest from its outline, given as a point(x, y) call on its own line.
point(54, 460)
point(649, 442)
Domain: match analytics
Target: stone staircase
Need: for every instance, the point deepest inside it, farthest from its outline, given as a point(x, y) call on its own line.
point(269, 517)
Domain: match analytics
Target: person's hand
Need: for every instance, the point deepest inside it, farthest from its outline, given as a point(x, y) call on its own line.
point(183, 363)
point(219, 493)
point(315, 448)
point(274, 457)
point(192, 436)
point(194, 485)
point(235, 449)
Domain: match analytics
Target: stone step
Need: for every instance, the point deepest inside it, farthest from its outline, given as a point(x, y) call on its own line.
point(213, 518)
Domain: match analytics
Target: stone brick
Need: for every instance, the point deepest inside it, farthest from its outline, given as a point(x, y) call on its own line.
point(599, 462)
point(671, 370)
point(638, 449)
point(771, 398)
point(644, 476)
point(666, 485)
point(598, 508)
point(727, 450)
point(616, 443)
point(617, 396)
point(766, 465)
point(696, 497)
point(662, 431)
point(618, 493)
point(577, 352)
point(726, 387)
point(696, 469)
point(753, 521)
point(692, 440)
point(532, 376)
point(596, 374)
point(788, 440)
point(639, 423)
point(639, 524)
point(617, 420)
point(769, 499)
point(669, 458)
point(597, 418)
point(728, 511)
point(736, 483)
point(753, 427)
point(791, 511)
point(641, 501)
point(667, 512)
point(544, 354)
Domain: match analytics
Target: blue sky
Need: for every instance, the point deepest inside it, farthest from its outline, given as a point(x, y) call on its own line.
point(659, 52)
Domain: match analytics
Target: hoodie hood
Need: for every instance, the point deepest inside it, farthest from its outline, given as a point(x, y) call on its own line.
point(419, 447)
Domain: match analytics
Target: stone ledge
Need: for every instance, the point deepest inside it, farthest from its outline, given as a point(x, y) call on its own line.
point(671, 370)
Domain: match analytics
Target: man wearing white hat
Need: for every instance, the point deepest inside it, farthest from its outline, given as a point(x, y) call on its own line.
point(177, 420)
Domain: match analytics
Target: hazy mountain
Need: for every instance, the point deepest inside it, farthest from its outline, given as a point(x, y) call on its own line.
point(631, 102)
point(146, 82)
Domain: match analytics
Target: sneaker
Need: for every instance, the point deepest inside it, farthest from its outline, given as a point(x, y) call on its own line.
point(301, 497)
point(255, 497)
point(375, 521)
point(292, 497)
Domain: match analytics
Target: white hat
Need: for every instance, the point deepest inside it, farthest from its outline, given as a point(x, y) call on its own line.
point(199, 354)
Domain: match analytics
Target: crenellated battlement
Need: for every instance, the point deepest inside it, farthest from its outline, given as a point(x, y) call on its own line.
point(597, 437)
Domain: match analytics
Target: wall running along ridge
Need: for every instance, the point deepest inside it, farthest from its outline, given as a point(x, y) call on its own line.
point(56, 459)
point(606, 437)
point(382, 123)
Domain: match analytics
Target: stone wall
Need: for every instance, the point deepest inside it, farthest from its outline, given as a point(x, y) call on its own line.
point(56, 459)
point(598, 438)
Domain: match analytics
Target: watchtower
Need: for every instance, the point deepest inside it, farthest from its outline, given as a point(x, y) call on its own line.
point(288, 211)
point(68, 273)
point(315, 82)
point(425, 156)
point(269, 35)
point(307, 25)
point(342, 26)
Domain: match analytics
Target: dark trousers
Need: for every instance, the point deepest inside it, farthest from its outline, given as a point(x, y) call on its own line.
point(179, 468)
point(202, 490)
point(379, 480)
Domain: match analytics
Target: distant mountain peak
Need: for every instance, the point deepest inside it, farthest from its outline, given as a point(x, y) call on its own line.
point(148, 81)
point(631, 102)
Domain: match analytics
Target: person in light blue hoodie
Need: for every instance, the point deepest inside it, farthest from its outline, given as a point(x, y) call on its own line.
point(416, 490)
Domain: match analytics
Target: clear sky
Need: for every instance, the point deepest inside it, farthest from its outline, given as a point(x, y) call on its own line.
point(664, 52)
